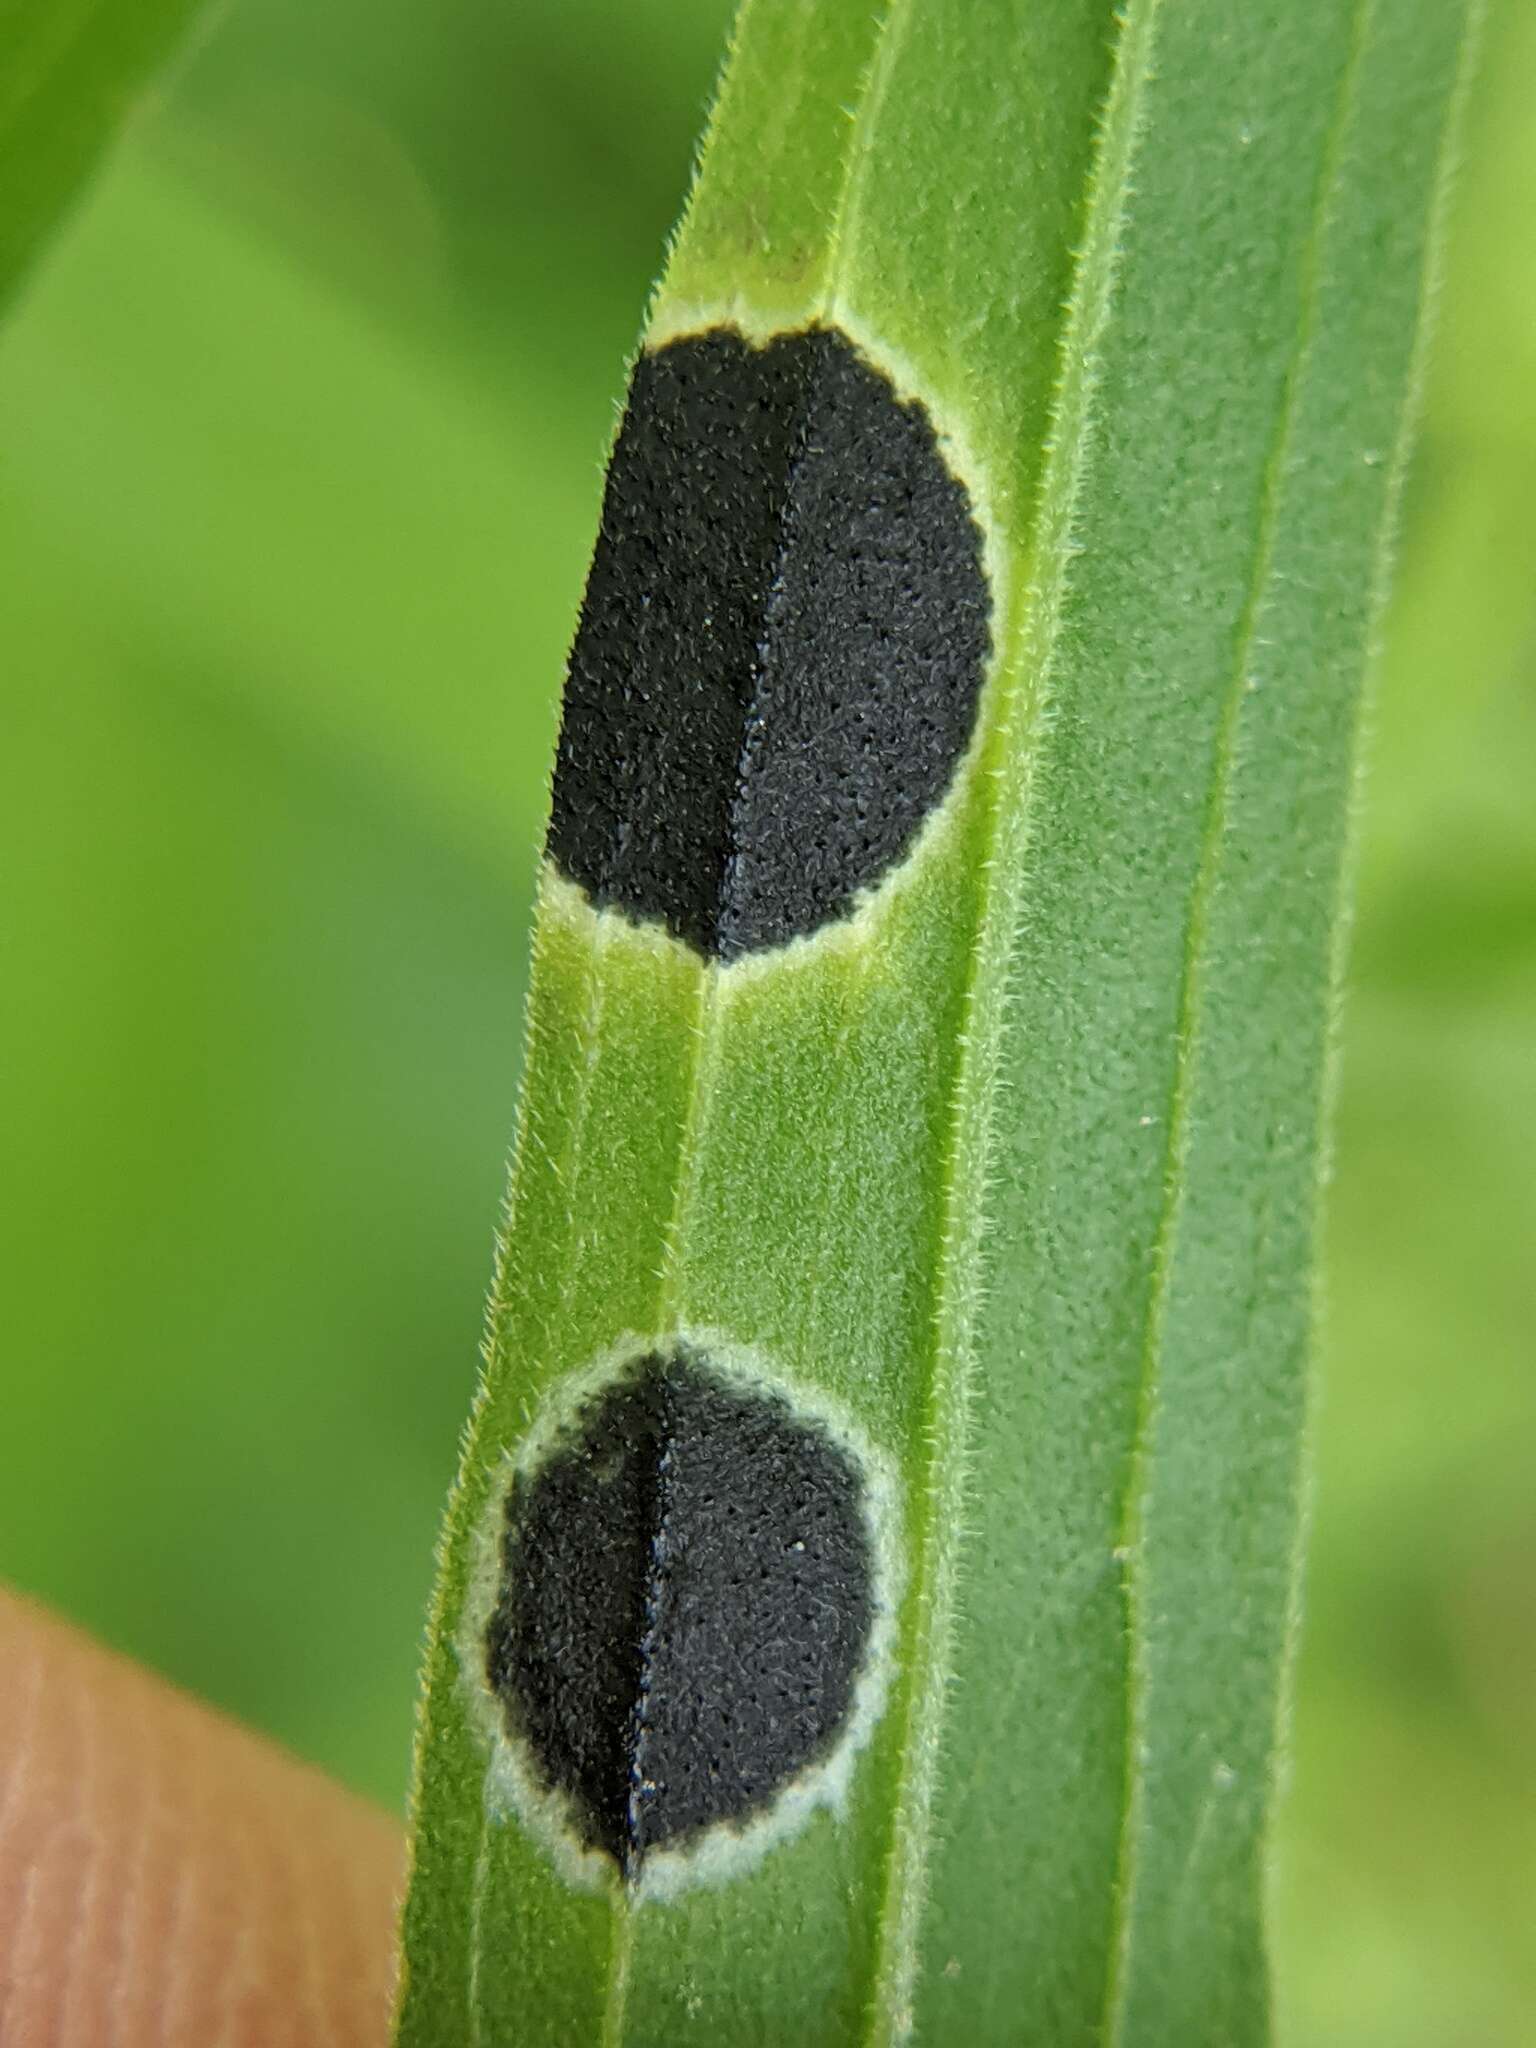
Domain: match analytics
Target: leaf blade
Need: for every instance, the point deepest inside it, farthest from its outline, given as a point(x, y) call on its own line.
point(758, 1198)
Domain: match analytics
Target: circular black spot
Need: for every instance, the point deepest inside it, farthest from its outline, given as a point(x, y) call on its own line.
point(781, 647)
point(686, 1601)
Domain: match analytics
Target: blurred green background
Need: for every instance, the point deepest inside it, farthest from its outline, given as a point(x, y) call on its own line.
point(300, 426)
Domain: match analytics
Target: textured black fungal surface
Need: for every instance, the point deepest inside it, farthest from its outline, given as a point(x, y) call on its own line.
point(686, 1601)
point(781, 648)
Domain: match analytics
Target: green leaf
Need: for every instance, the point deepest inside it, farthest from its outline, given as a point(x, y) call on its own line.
point(70, 73)
point(1014, 1172)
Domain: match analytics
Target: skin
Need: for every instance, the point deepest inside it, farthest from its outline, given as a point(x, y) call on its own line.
point(168, 1880)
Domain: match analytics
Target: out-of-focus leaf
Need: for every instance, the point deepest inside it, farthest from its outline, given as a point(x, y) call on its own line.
point(70, 71)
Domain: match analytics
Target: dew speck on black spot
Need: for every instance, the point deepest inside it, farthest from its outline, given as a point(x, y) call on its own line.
point(686, 1601)
point(781, 648)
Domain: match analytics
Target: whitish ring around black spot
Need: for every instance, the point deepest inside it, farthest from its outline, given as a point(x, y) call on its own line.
point(782, 644)
point(686, 1602)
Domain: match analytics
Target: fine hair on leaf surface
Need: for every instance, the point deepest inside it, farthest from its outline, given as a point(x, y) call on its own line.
point(865, 1602)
